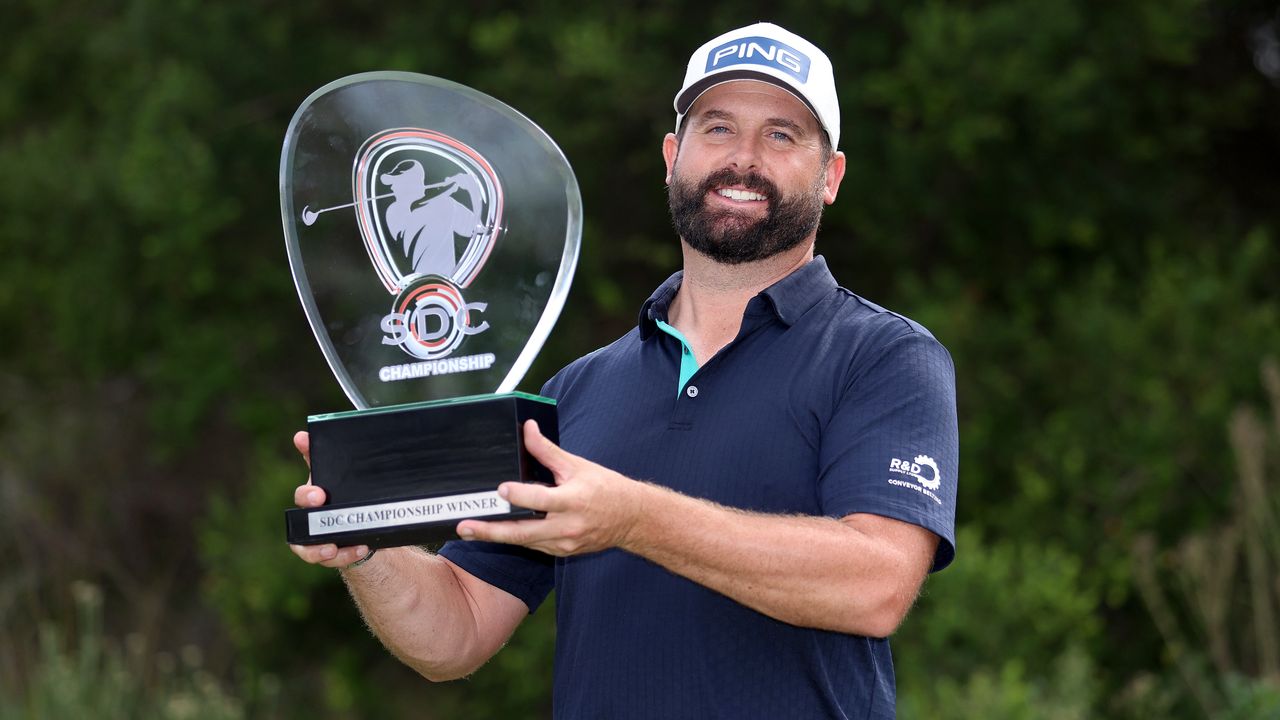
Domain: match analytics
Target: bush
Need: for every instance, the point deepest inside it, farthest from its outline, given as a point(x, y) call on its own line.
point(93, 677)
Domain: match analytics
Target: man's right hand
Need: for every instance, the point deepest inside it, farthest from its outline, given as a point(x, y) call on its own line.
point(309, 496)
point(436, 617)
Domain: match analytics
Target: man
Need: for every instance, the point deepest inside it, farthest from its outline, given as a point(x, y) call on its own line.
point(751, 485)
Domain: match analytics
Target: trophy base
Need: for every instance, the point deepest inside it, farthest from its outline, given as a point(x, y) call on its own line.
point(407, 474)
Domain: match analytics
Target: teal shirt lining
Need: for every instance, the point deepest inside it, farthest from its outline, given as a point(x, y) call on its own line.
point(688, 363)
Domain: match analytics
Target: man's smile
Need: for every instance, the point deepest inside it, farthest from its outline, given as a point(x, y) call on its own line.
point(740, 195)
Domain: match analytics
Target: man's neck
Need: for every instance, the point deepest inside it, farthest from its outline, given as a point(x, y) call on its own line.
point(708, 308)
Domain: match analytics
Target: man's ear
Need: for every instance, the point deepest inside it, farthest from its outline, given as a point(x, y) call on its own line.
point(670, 146)
point(835, 173)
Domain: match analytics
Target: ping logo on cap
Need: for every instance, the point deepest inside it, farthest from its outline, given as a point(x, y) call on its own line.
point(760, 51)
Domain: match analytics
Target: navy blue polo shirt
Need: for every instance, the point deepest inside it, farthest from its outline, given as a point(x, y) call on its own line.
point(824, 404)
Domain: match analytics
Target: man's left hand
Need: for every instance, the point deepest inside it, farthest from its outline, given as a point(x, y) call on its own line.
point(590, 508)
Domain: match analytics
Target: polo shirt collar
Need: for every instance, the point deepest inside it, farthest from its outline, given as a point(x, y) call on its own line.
point(655, 308)
point(787, 299)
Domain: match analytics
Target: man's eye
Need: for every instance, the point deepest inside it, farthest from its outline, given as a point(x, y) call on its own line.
point(780, 136)
point(717, 129)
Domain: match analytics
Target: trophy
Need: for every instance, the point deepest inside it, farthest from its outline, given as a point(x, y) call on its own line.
point(432, 234)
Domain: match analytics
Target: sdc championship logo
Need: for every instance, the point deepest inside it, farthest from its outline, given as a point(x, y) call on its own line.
point(429, 210)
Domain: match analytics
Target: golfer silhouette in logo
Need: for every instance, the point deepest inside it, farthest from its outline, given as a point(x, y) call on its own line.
point(426, 222)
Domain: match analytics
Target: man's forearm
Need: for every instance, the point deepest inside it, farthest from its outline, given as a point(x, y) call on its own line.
point(859, 575)
point(427, 612)
point(856, 575)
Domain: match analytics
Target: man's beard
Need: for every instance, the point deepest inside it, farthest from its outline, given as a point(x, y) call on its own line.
point(725, 235)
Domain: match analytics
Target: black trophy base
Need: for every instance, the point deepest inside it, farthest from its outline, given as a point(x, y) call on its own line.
point(408, 474)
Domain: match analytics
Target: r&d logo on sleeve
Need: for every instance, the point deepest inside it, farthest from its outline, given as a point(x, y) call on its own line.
point(760, 51)
point(923, 470)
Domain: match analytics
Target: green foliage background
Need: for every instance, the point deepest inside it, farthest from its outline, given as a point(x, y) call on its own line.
point(1080, 199)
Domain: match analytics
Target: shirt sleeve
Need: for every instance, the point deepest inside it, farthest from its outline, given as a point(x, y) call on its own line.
point(527, 574)
point(891, 447)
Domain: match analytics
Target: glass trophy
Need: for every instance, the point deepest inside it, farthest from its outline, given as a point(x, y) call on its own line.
point(433, 232)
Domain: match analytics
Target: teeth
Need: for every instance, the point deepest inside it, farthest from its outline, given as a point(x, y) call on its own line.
point(740, 194)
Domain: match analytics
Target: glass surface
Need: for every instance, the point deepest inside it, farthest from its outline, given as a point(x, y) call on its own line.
point(432, 233)
point(428, 403)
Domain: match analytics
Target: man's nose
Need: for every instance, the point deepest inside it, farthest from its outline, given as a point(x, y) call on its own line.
point(746, 152)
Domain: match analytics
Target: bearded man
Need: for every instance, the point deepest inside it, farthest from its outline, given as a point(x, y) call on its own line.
point(751, 485)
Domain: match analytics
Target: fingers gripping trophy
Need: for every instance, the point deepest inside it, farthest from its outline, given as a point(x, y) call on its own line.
point(432, 233)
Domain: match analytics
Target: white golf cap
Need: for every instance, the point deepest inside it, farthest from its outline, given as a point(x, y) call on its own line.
point(767, 53)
